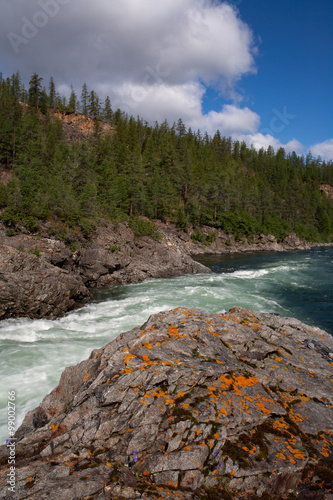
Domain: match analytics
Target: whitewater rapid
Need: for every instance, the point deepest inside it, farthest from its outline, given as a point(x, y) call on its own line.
point(35, 352)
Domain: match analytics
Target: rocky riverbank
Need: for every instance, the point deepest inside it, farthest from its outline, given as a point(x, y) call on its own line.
point(41, 277)
point(187, 406)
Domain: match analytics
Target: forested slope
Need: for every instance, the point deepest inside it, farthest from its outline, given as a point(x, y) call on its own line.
point(72, 169)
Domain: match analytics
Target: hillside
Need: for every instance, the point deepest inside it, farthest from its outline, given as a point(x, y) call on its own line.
point(72, 169)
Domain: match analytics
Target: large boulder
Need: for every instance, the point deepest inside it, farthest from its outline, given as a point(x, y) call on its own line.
point(31, 286)
point(187, 406)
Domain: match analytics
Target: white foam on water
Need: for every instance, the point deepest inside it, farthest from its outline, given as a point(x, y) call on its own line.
point(35, 353)
point(248, 274)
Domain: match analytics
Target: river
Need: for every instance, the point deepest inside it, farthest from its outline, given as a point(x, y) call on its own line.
point(35, 352)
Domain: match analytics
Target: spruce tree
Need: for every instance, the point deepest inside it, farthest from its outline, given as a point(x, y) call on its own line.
point(93, 105)
point(107, 113)
point(72, 101)
point(35, 90)
point(43, 101)
point(84, 99)
point(52, 93)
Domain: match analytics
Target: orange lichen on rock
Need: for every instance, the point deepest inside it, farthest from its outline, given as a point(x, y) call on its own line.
point(173, 331)
point(263, 408)
point(128, 358)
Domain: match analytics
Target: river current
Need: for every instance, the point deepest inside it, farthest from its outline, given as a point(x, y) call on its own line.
point(35, 352)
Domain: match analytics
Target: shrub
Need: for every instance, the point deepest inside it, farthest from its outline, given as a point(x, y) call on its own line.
point(114, 248)
point(145, 227)
point(181, 220)
point(200, 237)
point(13, 216)
point(35, 251)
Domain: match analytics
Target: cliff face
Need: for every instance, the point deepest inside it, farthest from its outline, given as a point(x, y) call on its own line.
point(187, 406)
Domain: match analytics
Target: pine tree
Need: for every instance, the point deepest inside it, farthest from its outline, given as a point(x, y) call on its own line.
point(16, 85)
point(35, 90)
point(107, 113)
point(43, 101)
point(72, 101)
point(52, 93)
point(93, 105)
point(84, 99)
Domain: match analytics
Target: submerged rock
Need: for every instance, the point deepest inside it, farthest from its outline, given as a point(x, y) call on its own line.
point(188, 406)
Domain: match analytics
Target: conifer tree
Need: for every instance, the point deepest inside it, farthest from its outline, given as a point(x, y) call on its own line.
point(84, 99)
point(43, 101)
point(72, 101)
point(93, 105)
point(107, 113)
point(52, 93)
point(35, 90)
point(16, 86)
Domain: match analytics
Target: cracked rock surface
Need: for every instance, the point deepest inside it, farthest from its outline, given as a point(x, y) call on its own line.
point(189, 406)
point(42, 278)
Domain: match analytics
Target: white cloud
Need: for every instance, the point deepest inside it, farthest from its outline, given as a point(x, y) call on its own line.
point(323, 149)
point(114, 41)
point(116, 46)
point(229, 121)
point(160, 101)
point(259, 141)
point(154, 59)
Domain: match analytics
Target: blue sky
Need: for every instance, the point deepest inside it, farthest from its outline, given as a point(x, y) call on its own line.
point(257, 70)
point(294, 65)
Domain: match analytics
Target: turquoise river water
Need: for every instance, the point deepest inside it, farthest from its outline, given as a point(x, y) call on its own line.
point(35, 352)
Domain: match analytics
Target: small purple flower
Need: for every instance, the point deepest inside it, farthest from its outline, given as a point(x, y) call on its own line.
point(220, 465)
point(135, 457)
point(216, 452)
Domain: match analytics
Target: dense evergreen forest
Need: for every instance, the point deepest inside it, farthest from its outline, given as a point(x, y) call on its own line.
point(135, 169)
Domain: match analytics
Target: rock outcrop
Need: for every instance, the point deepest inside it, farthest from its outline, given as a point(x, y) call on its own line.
point(216, 241)
point(32, 286)
point(41, 277)
point(188, 406)
point(113, 256)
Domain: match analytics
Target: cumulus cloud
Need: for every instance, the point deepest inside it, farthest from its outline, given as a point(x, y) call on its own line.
point(152, 58)
point(160, 101)
point(323, 149)
point(115, 41)
point(229, 121)
point(259, 140)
